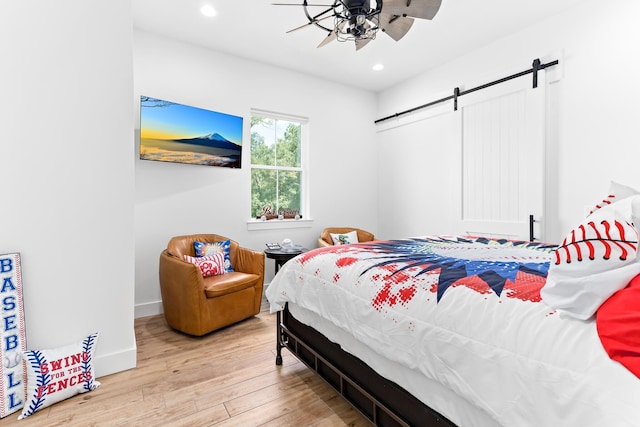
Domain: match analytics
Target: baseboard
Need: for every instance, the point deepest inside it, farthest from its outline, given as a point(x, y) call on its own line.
point(115, 362)
point(147, 309)
point(153, 308)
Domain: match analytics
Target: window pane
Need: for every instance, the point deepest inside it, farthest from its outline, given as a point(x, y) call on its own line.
point(276, 146)
point(263, 190)
point(288, 146)
point(263, 141)
point(289, 184)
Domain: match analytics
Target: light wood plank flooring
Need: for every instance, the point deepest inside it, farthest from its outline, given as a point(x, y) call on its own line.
point(227, 378)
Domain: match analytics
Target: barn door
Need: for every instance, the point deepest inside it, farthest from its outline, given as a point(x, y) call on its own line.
point(503, 159)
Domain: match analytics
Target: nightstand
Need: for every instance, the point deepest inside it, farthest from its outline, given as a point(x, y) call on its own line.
point(281, 256)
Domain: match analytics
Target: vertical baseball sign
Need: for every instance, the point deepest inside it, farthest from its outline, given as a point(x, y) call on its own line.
point(12, 336)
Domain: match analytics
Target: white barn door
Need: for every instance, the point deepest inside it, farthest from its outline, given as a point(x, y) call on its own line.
point(502, 159)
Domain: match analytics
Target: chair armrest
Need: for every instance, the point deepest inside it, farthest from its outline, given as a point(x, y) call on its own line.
point(322, 243)
point(183, 296)
point(181, 277)
point(249, 261)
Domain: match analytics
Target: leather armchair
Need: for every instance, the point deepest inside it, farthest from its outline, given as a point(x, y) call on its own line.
point(197, 305)
point(325, 237)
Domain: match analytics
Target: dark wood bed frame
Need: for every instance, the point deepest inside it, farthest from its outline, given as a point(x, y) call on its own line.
point(381, 401)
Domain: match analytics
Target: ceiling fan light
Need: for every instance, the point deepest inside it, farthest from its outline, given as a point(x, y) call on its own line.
point(208, 10)
point(357, 21)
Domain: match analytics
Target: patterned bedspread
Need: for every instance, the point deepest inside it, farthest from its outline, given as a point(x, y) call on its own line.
point(467, 313)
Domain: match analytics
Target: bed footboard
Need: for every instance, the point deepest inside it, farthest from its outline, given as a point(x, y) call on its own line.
point(381, 401)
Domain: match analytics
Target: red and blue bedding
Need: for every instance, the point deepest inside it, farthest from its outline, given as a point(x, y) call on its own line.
point(467, 313)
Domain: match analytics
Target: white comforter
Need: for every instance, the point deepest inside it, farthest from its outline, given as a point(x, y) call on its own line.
point(467, 314)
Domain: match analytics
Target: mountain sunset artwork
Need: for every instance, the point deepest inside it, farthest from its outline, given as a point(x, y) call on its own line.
point(177, 133)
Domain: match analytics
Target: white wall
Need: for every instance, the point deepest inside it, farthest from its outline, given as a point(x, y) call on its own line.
point(593, 129)
point(418, 175)
point(176, 199)
point(66, 165)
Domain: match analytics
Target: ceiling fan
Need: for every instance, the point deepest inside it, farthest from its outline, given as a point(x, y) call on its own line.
point(356, 20)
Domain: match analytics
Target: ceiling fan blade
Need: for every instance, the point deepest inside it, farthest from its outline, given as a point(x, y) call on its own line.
point(308, 24)
point(300, 4)
point(395, 26)
point(424, 9)
point(332, 34)
point(360, 43)
point(330, 37)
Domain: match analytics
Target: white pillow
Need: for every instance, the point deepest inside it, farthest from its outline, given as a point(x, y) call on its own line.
point(344, 238)
point(598, 257)
point(617, 192)
point(57, 374)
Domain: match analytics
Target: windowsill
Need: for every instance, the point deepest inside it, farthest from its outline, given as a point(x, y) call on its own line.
point(278, 224)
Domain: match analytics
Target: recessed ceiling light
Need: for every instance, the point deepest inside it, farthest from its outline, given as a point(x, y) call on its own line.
point(378, 67)
point(208, 10)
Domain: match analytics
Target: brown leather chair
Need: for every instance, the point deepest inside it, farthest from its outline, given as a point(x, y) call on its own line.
point(197, 305)
point(325, 237)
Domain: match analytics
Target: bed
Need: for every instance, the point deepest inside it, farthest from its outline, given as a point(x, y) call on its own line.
point(453, 331)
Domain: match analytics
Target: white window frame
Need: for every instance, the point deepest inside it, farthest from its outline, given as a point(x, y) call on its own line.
point(306, 221)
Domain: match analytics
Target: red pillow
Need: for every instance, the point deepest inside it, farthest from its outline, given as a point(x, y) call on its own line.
point(618, 323)
point(209, 265)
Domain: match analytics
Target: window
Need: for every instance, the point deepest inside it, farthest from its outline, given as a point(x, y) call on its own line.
point(277, 166)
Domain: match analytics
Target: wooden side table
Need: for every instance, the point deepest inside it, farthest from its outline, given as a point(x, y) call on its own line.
point(281, 256)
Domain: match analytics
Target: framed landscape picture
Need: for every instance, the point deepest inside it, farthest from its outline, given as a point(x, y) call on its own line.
point(172, 132)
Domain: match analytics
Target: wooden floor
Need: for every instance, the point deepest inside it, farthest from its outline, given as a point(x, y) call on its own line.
point(227, 378)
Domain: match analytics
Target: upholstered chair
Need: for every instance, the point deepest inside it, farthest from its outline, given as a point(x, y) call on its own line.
point(326, 240)
point(197, 305)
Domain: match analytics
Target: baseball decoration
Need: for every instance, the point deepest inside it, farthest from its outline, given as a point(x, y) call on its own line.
point(12, 336)
point(11, 360)
point(57, 374)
